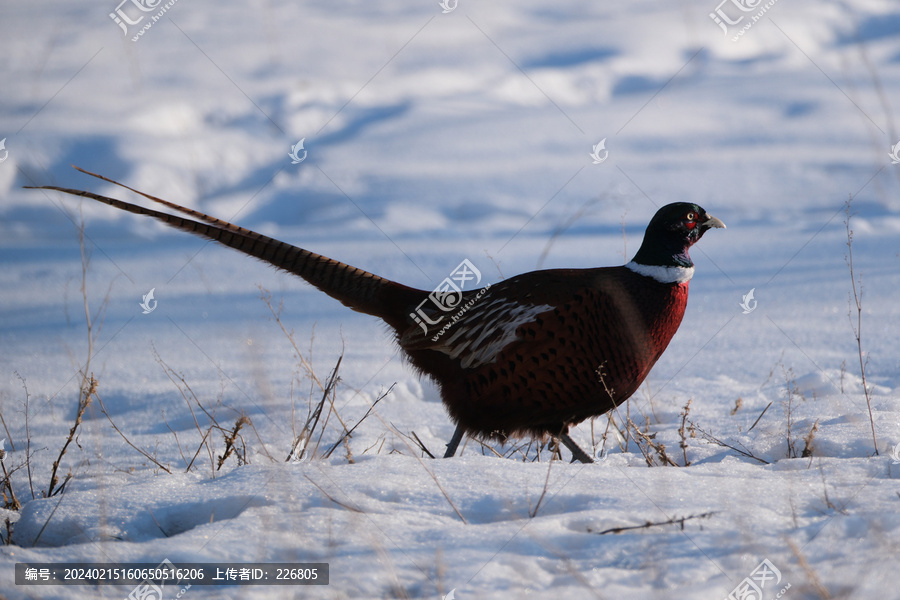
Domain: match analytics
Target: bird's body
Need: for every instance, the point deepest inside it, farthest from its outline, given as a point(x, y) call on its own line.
point(530, 355)
point(546, 349)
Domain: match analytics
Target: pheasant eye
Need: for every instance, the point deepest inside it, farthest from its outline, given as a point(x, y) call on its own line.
point(690, 220)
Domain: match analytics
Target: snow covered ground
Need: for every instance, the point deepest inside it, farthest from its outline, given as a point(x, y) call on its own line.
point(433, 137)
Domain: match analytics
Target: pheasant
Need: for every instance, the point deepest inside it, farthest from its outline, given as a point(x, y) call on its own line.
point(528, 356)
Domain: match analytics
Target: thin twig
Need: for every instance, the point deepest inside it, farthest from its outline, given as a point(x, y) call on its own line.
point(170, 373)
point(47, 522)
point(857, 329)
point(760, 416)
point(83, 402)
point(347, 433)
point(27, 436)
point(711, 438)
point(203, 437)
point(127, 441)
point(443, 491)
point(329, 394)
point(261, 443)
point(175, 434)
point(485, 446)
point(791, 391)
point(421, 444)
point(673, 521)
point(313, 420)
point(681, 431)
point(12, 444)
point(543, 491)
point(332, 498)
point(424, 466)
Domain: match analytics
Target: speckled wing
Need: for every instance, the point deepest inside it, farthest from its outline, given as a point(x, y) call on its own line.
point(474, 331)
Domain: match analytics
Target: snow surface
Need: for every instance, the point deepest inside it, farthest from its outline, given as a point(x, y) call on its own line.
point(432, 138)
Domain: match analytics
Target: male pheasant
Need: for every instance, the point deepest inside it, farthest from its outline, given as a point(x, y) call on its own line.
point(530, 355)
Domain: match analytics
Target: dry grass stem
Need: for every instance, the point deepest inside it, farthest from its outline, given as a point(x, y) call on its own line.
point(537, 506)
point(230, 445)
point(142, 452)
point(673, 521)
point(856, 286)
point(83, 402)
point(711, 438)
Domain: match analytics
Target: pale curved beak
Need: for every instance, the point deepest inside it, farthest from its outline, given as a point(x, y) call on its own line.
point(713, 222)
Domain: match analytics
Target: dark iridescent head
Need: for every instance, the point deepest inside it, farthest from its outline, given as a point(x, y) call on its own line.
point(671, 232)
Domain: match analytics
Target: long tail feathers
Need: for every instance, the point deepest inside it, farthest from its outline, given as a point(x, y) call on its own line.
point(360, 290)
